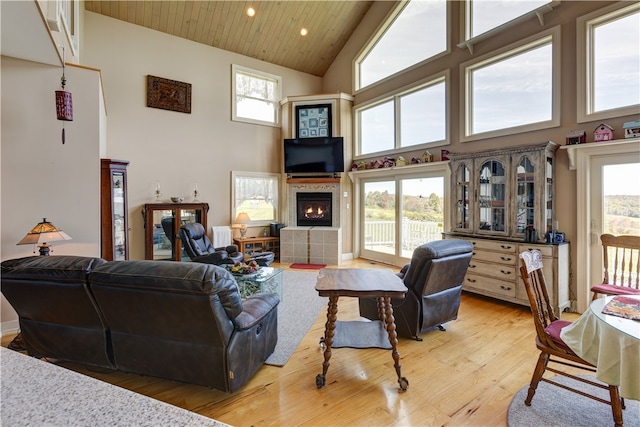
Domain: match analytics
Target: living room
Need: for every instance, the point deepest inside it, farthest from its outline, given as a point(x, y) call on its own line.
point(42, 177)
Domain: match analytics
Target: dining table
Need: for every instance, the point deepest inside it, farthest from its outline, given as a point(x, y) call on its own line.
point(610, 342)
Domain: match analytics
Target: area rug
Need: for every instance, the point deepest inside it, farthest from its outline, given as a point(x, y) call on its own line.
point(299, 308)
point(308, 266)
point(554, 406)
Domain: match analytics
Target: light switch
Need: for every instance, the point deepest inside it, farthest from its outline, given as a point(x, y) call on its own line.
point(345, 194)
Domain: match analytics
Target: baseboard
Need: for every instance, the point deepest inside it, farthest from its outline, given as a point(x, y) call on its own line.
point(9, 328)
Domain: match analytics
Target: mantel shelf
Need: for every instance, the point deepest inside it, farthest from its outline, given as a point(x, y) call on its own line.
point(311, 180)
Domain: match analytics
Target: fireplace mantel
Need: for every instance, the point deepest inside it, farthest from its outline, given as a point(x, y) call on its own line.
point(312, 180)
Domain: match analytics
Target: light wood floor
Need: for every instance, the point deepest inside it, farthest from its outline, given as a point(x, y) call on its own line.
point(465, 376)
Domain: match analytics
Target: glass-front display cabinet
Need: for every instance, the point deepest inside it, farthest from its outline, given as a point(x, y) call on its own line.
point(162, 239)
point(504, 193)
point(114, 224)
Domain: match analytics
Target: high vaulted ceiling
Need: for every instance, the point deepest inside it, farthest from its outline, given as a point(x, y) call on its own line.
point(272, 35)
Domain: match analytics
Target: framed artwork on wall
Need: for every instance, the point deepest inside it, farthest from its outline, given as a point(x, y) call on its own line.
point(313, 121)
point(168, 94)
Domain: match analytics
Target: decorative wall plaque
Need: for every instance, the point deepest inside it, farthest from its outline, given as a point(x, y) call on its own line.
point(168, 94)
point(313, 121)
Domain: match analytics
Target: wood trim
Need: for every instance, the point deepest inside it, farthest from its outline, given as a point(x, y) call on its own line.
point(311, 180)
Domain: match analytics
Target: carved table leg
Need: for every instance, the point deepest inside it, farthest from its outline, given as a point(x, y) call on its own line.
point(381, 310)
point(329, 332)
point(393, 340)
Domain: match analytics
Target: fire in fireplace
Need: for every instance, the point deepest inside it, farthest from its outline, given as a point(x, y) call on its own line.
point(313, 209)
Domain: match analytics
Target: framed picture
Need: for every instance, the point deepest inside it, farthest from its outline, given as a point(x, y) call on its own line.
point(313, 121)
point(168, 94)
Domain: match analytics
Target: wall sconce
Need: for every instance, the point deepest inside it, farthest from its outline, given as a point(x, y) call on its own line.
point(43, 233)
point(64, 103)
point(241, 222)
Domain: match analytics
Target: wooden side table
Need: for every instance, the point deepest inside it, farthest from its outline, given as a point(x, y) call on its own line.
point(381, 284)
point(250, 246)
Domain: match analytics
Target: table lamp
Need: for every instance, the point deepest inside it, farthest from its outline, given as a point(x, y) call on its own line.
point(43, 233)
point(241, 222)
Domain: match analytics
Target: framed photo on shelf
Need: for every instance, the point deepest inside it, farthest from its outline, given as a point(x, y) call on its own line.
point(313, 121)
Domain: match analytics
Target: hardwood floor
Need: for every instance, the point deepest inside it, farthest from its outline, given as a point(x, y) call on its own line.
point(465, 376)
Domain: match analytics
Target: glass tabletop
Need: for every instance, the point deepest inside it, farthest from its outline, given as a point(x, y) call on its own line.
point(626, 326)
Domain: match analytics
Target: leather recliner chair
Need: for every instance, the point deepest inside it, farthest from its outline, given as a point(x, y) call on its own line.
point(434, 282)
point(199, 248)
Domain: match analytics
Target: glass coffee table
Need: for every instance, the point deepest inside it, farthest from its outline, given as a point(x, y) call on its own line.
point(268, 280)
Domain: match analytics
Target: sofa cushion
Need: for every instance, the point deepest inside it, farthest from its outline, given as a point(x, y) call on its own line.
point(174, 277)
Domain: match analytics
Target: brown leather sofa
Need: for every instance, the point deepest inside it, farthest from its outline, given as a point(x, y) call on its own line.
point(180, 321)
point(434, 282)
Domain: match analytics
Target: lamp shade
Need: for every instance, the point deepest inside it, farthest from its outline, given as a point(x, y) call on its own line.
point(242, 218)
point(43, 233)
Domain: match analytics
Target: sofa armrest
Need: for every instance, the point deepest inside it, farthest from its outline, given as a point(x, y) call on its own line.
point(254, 309)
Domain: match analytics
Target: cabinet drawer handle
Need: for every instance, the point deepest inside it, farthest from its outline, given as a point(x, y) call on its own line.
point(505, 258)
point(506, 288)
point(471, 280)
point(505, 246)
point(505, 272)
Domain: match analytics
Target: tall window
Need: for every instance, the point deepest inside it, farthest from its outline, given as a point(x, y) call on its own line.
point(417, 31)
point(513, 89)
point(255, 194)
point(609, 63)
point(256, 96)
point(485, 15)
point(402, 121)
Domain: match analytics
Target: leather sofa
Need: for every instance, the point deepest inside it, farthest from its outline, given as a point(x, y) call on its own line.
point(179, 321)
point(434, 282)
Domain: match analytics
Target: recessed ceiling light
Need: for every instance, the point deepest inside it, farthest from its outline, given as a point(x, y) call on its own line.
point(251, 11)
point(303, 31)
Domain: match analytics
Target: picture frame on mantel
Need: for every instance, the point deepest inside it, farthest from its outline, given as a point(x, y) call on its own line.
point(168, 94)
point(313, 121)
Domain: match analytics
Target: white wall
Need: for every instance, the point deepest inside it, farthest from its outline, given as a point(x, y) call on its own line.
point(174, 148)
point(41, 177)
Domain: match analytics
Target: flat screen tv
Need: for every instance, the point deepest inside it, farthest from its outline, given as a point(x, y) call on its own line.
point(313, 155)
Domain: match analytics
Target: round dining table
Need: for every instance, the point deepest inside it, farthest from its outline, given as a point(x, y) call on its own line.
point(610, 343)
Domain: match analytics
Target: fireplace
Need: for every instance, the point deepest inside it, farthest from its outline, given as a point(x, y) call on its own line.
point(313, 209)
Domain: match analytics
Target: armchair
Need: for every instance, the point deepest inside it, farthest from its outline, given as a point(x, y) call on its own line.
point(199, 248)
point(434, 281)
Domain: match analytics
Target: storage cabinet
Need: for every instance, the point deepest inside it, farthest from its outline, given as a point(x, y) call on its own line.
point(114, 224)
point(503, 193)
point(500, 198)
point(250, 246)
point(162, 241)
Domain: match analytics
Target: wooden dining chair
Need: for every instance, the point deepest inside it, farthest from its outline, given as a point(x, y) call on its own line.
point(552, 347)
point(621, 257)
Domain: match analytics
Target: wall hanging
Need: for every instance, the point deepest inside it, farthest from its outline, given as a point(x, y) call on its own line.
point(168, 94)
point(64, 104)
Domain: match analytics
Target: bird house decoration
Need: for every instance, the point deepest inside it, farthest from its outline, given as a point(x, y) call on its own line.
point(64, 103)
point(603, 132)
point(576, 137)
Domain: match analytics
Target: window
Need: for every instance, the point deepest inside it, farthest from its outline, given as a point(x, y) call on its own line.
point(399, 210)
point(256, 96)
point(609, 63)
point(255, 194)
point(416, 31)
point(402, 121)
point(513, 90)
point(485, 15)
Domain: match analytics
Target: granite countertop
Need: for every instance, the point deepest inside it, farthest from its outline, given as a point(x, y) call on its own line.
point(39, 393)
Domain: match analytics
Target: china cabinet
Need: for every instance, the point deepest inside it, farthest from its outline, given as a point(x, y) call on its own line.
point(114, 224)
point(503, 203)
point(161, 230)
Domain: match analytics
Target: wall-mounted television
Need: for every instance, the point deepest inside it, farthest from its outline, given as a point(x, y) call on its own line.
point(314, 155)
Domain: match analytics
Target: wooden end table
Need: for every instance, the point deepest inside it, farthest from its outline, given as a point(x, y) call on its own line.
point(381, 284)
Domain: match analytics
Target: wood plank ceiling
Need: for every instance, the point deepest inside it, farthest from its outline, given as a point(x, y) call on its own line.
point(272, 35)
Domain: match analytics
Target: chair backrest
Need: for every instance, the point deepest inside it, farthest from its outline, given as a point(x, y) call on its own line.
point(195, 240)
point(621, 256)
point(536, 286)
point(167, 226)
point(438, 265)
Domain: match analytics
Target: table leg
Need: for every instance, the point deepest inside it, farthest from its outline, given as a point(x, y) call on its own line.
point(393, 340)
point(381, 310)
point(329, 332)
